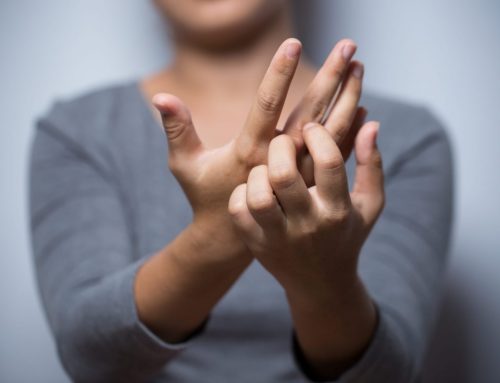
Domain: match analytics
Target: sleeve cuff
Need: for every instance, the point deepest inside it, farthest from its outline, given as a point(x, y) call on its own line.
point(383, 361)
point(142, 337)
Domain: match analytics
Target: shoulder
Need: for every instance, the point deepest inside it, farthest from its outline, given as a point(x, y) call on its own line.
point(102, 127)
point(90, 114)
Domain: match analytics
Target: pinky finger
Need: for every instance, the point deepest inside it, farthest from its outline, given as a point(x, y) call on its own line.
point(368, 192)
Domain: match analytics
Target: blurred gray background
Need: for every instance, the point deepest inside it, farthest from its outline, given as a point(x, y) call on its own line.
point(445, 54)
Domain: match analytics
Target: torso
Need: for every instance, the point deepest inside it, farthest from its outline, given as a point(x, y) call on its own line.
point(250, 328)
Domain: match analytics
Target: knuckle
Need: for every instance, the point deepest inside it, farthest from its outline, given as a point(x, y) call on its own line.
point(282, 139)
point(342, 215)
point(337, 69)
point(174, 130)
point(282, 176)
point(329, 161)
point(236, 208)
point(338, 217)
point(341, 128)
point(318, 107)
point(260, 202)
point(249, 154)
point(268, 102)
point(236, 213)
point(308, 228)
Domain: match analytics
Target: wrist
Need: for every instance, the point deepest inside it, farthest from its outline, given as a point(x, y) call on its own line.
point(333, 329)
point(347, 305)
point(177, 288)
point(210, 243)
point(325, 290)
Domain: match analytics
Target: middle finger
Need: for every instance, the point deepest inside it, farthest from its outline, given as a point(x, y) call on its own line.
point(322, 90)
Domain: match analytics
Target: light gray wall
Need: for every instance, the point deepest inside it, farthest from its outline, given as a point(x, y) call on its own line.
point(445, 54)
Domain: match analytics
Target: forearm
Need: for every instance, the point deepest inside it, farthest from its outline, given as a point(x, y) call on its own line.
point(333, 326)
point(177, 288)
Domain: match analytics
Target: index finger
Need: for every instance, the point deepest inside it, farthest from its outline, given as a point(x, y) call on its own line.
point(266, 108)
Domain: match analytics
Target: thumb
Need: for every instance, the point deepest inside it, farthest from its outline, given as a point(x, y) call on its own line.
point(368, 191)
point(176, 119)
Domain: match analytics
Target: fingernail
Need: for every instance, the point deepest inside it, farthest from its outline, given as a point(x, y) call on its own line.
point(358, 71)
point(348, 51)
point(293, 50)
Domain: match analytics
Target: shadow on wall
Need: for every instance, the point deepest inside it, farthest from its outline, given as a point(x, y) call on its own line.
point(450, 347)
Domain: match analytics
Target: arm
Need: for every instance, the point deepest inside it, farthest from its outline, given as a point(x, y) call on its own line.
point(115, 313)
point(407, 249)
point(334, 321)
point(86, 263)
point(339, 332)
point(293, 233)
point(177, 289)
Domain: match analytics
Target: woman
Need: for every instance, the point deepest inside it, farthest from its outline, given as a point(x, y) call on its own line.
point(247, 259)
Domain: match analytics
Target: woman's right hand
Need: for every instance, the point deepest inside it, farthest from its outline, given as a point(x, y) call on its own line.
point(209, 176)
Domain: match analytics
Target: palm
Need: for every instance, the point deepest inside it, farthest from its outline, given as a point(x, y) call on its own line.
point(209, 176)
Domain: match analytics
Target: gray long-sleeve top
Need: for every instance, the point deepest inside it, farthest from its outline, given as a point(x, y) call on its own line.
point(102, 200)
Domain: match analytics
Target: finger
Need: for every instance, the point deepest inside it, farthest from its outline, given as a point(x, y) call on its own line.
point(329, 170)
point(176, 119)
point(286, 180)
point(368, 190)
point(241, 217)
point(348, 142)
point(344, 110)
point(306, 164)
point(266, 109)
point(321, 92)
point(262, 202)
point(306, 168)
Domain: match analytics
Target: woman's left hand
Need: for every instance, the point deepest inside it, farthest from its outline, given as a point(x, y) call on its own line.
point(310, 238)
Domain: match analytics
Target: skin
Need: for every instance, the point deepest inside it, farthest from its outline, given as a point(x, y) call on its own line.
point(254, 177)
point(309, 239)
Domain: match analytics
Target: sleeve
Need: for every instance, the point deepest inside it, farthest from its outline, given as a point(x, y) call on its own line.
point(86, 264)
point(403, 260)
